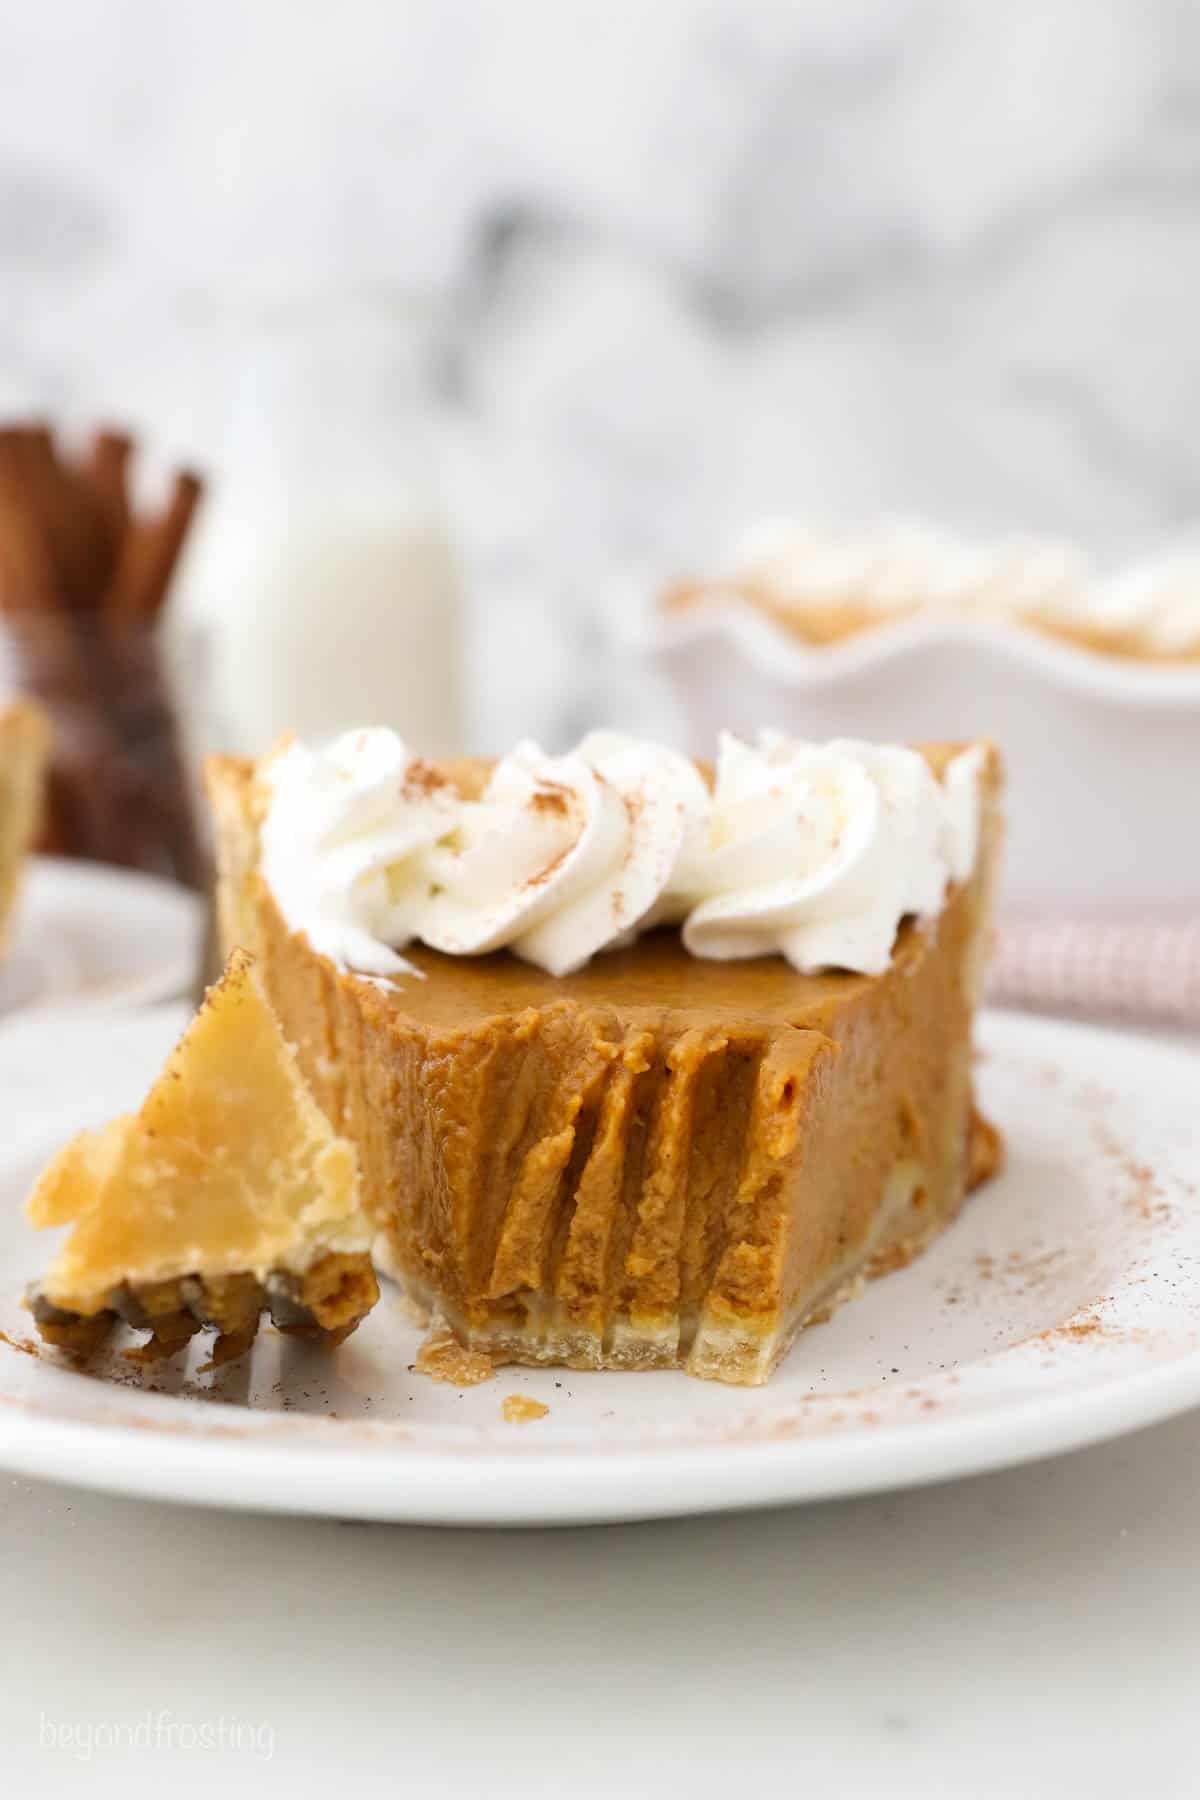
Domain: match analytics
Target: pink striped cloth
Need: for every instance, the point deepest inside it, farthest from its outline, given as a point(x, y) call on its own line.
point(1137, 969)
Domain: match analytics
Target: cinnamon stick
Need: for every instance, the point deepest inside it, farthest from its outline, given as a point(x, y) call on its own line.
point(148, 557)
point(69, 517)
point(106, 471)
point(82, 582)
point(27, 573)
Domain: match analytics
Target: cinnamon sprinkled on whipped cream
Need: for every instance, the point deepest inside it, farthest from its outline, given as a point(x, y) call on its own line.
point(811, 851)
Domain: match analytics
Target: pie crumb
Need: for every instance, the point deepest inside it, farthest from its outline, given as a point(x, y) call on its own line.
point(443, 1358)
point(519, 1409)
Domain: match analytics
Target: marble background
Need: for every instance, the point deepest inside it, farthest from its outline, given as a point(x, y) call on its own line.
point(653, 268)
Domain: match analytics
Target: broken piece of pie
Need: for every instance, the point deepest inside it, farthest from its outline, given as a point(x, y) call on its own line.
point(24, 748)
point(646, 1067)
point(228, 1194)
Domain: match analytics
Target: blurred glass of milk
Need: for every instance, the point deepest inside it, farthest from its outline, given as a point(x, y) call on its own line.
point(322, 592)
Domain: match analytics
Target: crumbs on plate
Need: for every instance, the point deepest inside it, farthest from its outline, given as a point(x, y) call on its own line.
point(519, 1409)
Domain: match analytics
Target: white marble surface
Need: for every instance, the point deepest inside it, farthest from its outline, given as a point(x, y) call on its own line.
point(652, 269)
point(1023, 1635)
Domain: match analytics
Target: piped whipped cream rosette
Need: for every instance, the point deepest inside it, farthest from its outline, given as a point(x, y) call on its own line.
point(811, 851)
point(907, 565)
point(564, 856)
point(817, 851)
point(1157, 600)
point(834, 581)
point(346, 842)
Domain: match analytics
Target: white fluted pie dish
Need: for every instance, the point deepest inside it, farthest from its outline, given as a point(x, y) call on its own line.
point(1103, 752)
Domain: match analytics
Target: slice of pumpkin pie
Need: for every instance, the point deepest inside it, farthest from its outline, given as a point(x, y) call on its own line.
point(647, 1065)
point(228, 1194)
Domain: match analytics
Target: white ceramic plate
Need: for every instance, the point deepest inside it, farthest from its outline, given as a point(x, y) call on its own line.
point(89, 935)
point(1062, 1308)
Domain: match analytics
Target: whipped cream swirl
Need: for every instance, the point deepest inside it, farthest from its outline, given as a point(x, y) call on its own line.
point(1157, 600)
point(818, 851)
point(564, 856)
point(813, 851)
point(345, 845)
point(904, 565)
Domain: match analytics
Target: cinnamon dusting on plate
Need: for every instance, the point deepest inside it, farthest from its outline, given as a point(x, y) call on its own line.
point(1144, 1194)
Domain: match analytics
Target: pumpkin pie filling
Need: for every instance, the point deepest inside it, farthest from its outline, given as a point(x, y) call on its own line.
point(653, 1160)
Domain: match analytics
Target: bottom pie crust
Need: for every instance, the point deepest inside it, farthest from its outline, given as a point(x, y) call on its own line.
point(701, 1345)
